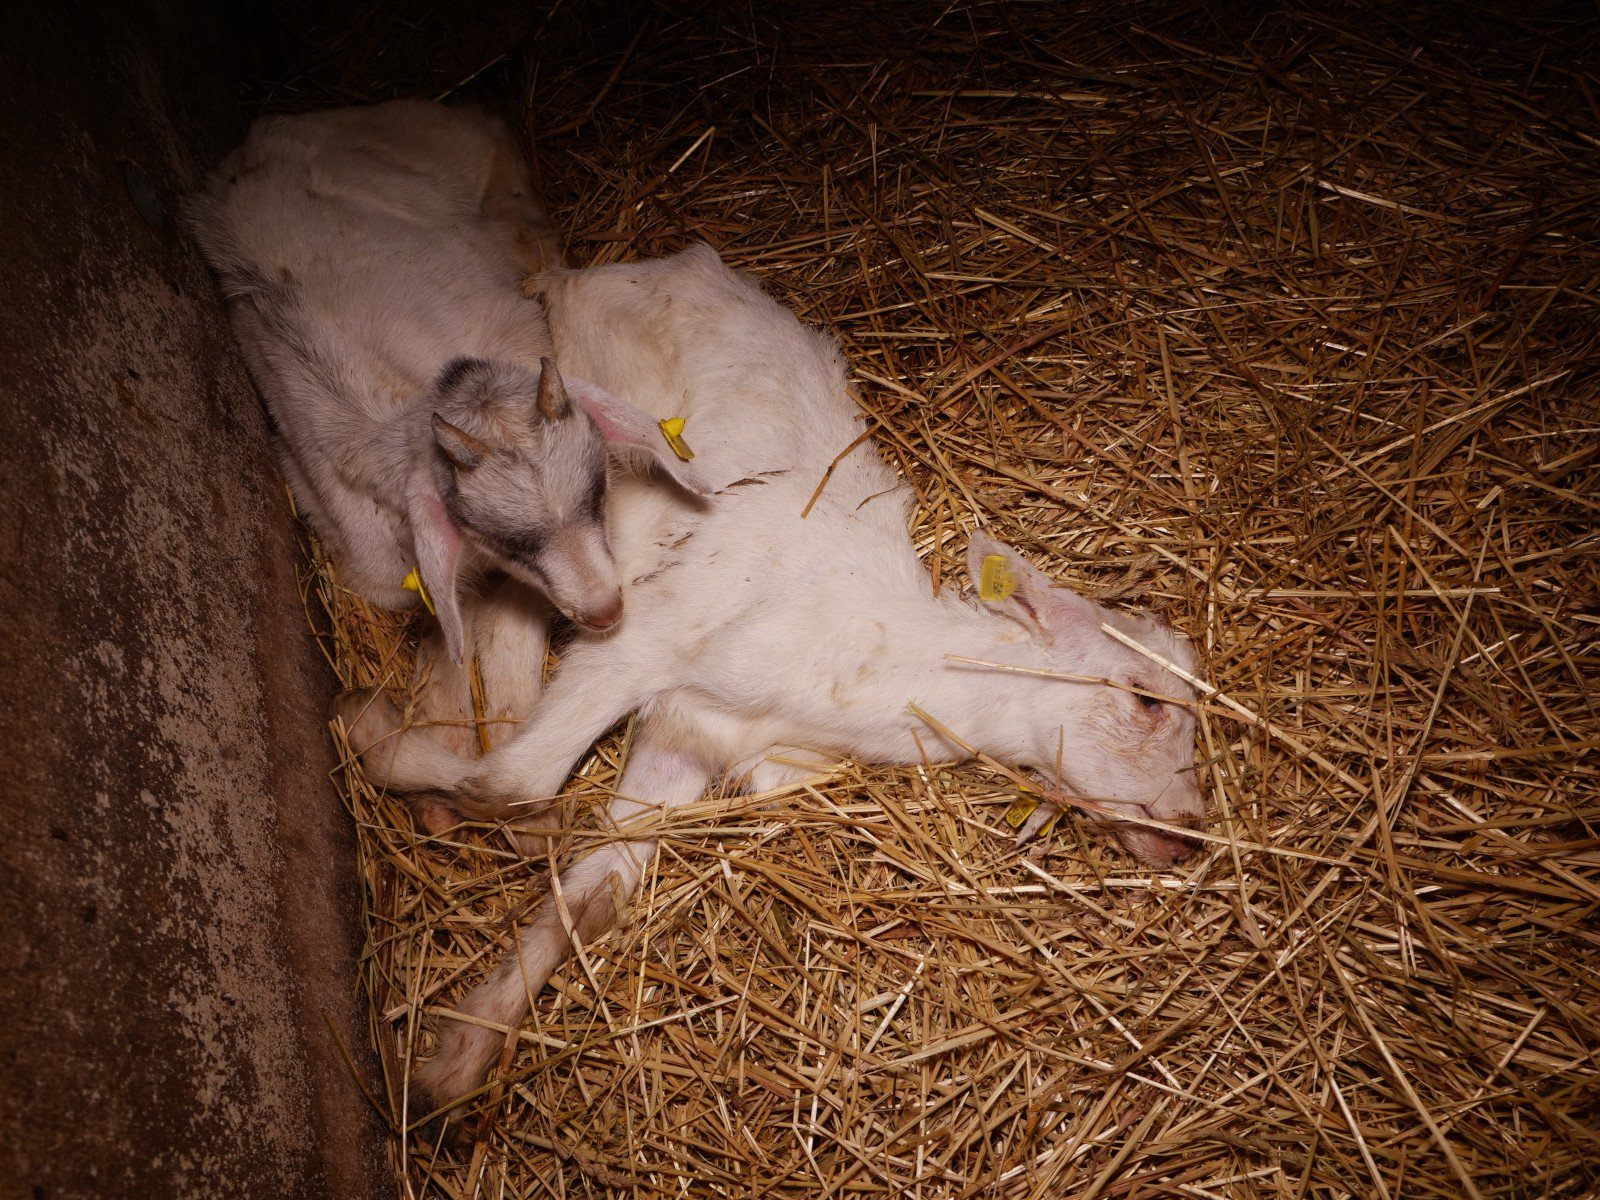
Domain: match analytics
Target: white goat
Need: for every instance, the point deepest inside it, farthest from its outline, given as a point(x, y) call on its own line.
point(757, 631)
point(372, 260)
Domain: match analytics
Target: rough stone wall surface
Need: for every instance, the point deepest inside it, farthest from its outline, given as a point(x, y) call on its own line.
point(175, 883)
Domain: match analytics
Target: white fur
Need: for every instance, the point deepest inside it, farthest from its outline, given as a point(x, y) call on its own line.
point(753, 630)
point(361, 251)
point(375, 221)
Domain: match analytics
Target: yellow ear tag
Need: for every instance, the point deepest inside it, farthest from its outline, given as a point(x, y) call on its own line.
point(1023, 807)
point(672, 430)
point(413, 583)
point(997, 582)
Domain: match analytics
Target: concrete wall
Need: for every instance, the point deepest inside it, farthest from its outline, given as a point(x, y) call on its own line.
point(175, 872)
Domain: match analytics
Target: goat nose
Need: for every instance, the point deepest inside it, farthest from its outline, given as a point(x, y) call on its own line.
point(606, 615)
point(1178, 849)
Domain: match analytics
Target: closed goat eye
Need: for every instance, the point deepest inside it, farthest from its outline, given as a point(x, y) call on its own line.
point(1148, 701)
point(594, 500)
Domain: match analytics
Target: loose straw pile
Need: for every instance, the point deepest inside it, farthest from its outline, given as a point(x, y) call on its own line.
point(1284, 325)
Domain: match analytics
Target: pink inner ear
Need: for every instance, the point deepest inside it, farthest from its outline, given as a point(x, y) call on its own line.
point(620, 423)
point(438, 545)
point(612, 416)
point(611, 430)
point(441, 528)
point(1025, 602)
point(1066, 614)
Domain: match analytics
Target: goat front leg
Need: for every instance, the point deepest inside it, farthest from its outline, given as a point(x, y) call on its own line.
point(657, 778)
point(468, 710)
point(597, 686)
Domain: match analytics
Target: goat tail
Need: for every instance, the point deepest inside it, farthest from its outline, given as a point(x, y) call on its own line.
point(594, 892)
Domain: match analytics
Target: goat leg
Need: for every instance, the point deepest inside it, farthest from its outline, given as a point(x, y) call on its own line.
point(657, 778)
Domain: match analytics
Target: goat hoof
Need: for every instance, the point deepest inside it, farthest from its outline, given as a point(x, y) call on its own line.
point(440, 1092)
point(435, 816)
point(532, 840)
point(441, 1131)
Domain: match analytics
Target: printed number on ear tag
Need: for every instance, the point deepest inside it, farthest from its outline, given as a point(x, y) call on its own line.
point(672, 430)
point(413, 583)
point(1023, 807)
point(996, 582)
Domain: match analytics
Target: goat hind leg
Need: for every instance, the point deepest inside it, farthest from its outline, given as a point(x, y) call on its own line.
point(591, 889)
point(391, 757)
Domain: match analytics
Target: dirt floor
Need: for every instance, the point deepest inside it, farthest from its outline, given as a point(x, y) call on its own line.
point(1283, 323)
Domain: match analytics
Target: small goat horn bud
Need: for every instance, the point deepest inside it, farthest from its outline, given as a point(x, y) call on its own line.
point(459, 446)
point(553, 402)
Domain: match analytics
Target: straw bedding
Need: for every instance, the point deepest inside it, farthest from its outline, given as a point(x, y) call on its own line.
point(1284, 325)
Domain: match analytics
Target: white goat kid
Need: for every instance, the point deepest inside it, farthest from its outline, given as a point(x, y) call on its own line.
point(755, 632)
point(372, 260)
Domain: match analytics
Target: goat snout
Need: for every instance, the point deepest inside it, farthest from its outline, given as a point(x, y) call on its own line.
point(1157, 847)
point(603, 615)
point(1154, 847)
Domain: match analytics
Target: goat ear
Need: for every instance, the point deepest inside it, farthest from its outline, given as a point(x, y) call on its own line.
point(438, 546)
point(633, 433)
point(1024, 593)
